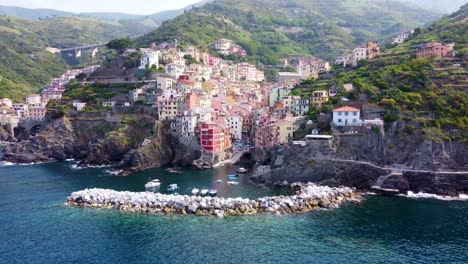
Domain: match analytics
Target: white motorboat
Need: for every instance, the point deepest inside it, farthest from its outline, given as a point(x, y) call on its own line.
point(204, 192)
point(195, 191)
point(242, 170)
point(172, 187)
point(153, 184)
point(233, 183)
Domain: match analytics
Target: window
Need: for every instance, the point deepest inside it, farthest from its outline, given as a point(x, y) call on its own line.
point(346, 113)
point(340, 113)
point(355, 113)
point(340, 121)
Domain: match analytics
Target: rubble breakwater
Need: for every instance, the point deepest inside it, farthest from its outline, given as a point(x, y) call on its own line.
point(307, 197)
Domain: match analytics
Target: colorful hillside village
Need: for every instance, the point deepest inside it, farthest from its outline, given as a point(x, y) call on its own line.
point(219, 105)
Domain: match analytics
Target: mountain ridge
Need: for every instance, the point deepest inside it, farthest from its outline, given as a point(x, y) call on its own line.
point(271, 29)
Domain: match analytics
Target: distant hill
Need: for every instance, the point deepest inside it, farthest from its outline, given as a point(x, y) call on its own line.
point(440, 6)
point(25, 65)
point(275, 28)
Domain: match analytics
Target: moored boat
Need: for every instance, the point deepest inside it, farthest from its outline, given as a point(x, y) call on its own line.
point(233, 176)
point(233, 183)
point(153, 184)
point(204, 192)
point(219, 181)
point(242, 170)
point(172, 187)
point(213, 192)
point(195, 191)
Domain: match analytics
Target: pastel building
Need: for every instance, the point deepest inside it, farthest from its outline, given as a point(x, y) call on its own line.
point(149, 59)
point(213, 137)
point(37, 112)
point(319, 98)
point(434, 49)
point(33, 99)
point(346, 116)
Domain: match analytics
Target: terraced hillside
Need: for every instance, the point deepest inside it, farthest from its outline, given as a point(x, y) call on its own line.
point(269, 30)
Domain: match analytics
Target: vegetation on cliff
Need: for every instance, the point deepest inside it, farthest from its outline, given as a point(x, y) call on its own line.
point(430, 92)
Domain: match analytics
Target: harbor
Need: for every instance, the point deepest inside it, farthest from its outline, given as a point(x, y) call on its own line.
point(307, 197)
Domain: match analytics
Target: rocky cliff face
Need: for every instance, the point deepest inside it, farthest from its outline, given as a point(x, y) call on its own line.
point(134, 143)
point(363, 160)
point(5, 136)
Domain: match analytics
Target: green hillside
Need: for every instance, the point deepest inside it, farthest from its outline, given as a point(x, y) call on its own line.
point(431, 93)
point(269, 30)
point(25, 65)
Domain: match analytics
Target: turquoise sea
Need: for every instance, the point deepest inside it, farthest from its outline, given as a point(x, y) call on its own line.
point(36, 226)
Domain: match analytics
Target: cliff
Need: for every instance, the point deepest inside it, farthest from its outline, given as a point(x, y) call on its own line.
point(395, 160)
point(132, 142)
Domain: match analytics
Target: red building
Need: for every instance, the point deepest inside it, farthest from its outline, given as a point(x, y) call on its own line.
point(213, 137)
point(433, 49)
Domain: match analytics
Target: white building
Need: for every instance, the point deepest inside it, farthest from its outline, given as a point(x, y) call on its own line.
point(165, 83)
point(235, 123)
point(347, 116)
point(79, 105)
point(21, 110)
point(402, 37)
point(174, 70)
point(359, 53)
point(186, 126)
point(33, 99)
point(6, 102)
point(149, 59)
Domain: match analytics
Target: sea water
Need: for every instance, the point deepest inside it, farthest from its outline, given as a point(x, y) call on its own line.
point(36, 226)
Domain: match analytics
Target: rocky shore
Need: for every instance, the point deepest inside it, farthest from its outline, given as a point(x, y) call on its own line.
point(308, 197)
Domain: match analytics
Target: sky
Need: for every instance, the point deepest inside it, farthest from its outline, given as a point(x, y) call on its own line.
point(143, 7)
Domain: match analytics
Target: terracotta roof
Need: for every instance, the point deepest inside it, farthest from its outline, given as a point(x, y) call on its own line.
point(347, 109)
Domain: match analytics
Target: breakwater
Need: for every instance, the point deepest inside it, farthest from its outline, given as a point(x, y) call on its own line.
point(307, 197)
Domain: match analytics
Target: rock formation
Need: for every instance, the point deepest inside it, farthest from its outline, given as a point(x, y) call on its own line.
point(308, 197)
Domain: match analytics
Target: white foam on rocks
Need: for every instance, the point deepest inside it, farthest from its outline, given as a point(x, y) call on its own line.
point(308, 197)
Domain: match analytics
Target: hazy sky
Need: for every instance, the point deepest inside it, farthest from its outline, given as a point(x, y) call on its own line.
point(124, 6)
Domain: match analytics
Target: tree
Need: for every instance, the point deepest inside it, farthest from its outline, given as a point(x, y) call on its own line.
point(120, 45)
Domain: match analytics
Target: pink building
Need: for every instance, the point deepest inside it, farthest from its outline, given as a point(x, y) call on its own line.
point(37, 113)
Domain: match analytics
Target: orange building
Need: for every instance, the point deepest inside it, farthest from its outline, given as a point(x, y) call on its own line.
point(433, 49)
point(373, 49)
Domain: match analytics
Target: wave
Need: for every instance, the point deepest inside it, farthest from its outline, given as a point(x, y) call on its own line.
point(7, 164)
point(76, 166)
point(114, 172)
point(422, 195)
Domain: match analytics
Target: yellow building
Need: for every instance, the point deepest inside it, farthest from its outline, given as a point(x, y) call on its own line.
point(168, 107)
point(286, 130)
point(318, 98)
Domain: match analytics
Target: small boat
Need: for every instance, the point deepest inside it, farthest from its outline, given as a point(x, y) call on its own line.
point(172, 187)
point(242, 170)
point(233, 183)
point(219, 181)
point(153, 184)
point(172, 170)
point(195, 191)
point(213, 192)
point(204, 192)
point(233, 176)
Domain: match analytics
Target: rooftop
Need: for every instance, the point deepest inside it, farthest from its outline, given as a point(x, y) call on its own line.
point(346, 109)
